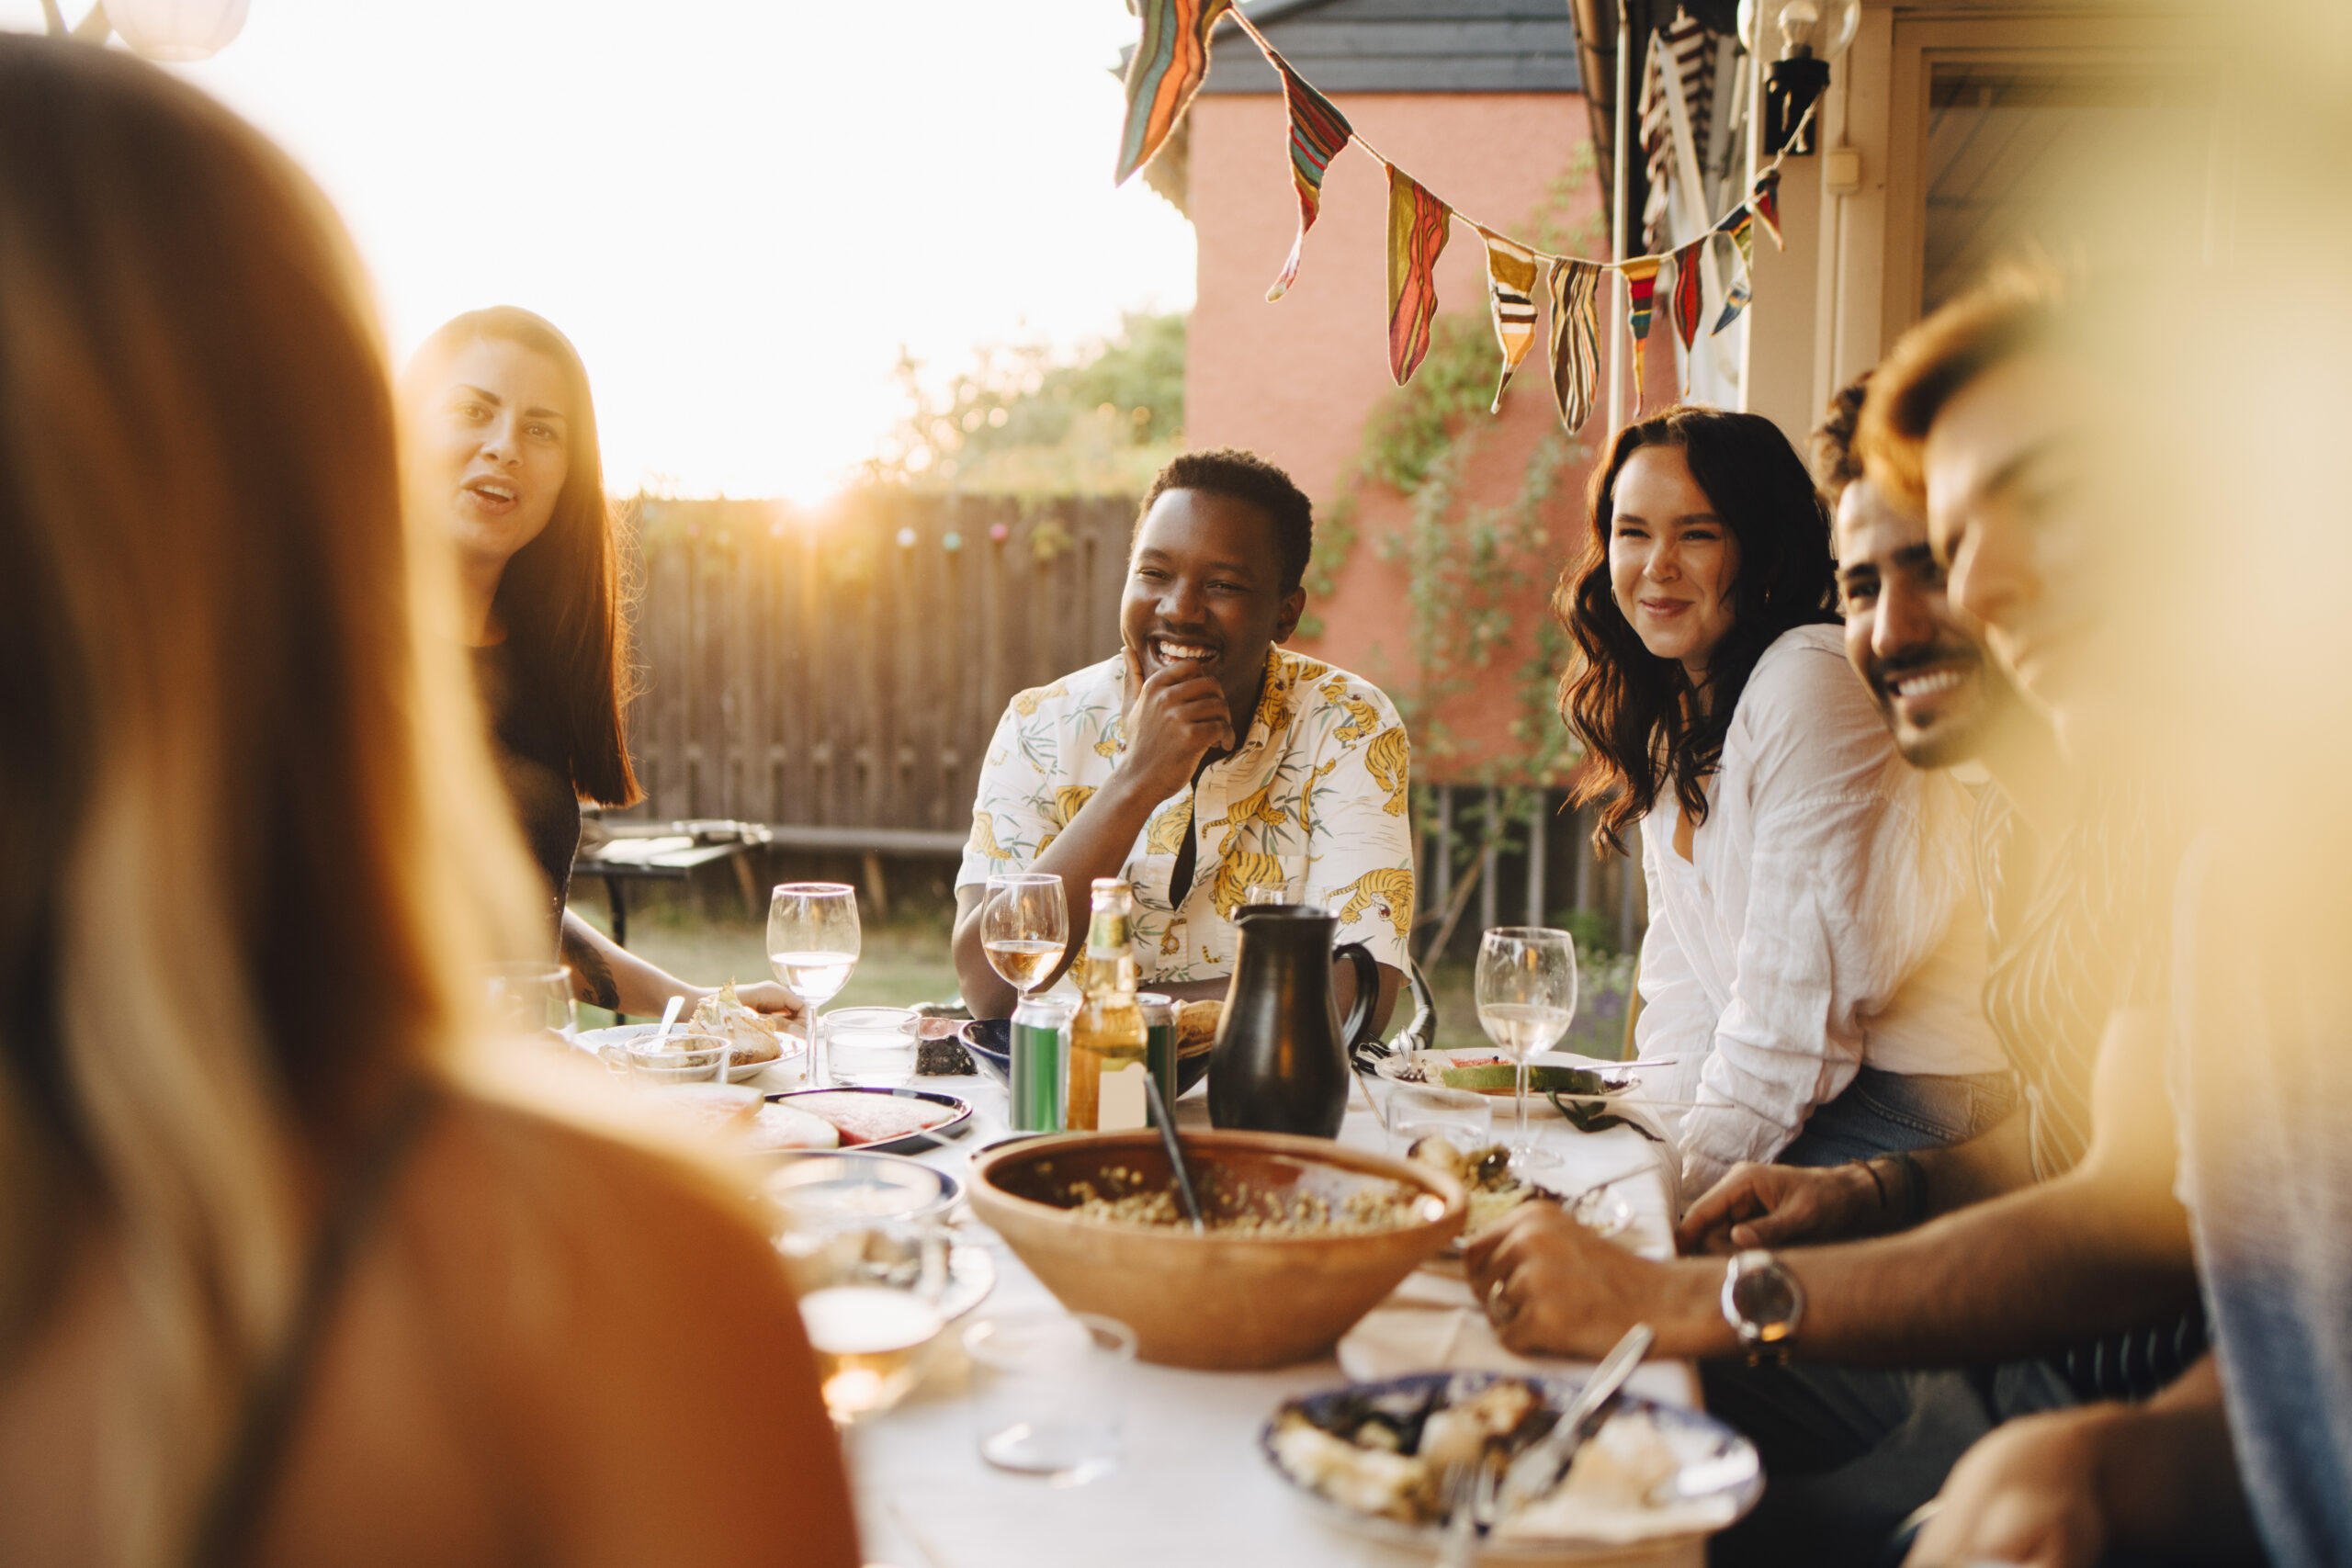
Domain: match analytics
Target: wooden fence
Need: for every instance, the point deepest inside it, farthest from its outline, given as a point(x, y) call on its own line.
point(842, 678)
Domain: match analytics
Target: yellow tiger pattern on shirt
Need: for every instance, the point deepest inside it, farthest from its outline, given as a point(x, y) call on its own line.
point(1028, 702)
point(1241, 871)
point(983, 839)
point(1164, 835)
point(1255, 807)
point(1069, 801)
point(1389, 760)
point(1391, 892)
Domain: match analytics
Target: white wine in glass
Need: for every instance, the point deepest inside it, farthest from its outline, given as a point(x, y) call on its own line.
point(812, 948)
point(1527, 997)
point(1024, 928)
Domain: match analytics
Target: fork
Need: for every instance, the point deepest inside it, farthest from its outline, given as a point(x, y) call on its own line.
point(1470, 1500)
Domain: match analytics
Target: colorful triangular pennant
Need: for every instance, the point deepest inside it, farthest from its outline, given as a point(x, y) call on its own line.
point(1764, 201)
point(1575, 287)
point(1166, 70)
point(1317, 132)
point(1511, 294)
point(1419, 226)
point(1740, 226)
point(1641, 288)
point(1683, 305)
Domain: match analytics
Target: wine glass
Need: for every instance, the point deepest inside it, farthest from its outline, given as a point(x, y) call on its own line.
point(532, 999)
point(1527, 997)
point(812, 947)
point(1024, 928)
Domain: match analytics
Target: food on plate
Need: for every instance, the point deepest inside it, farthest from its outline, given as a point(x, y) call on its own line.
point(940, 1053)
point(755, 1037)
point(1196, 1026)
point(1122, 1196)
point(781, 1126)
point(1486, 1177)
point(871, 1118)
point(1501, 1076)
point(1387, 1451)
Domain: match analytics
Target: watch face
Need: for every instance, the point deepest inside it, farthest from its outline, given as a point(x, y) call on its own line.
point(1766, 1297)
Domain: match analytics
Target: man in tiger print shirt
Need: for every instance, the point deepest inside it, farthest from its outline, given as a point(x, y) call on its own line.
point(1203, 758)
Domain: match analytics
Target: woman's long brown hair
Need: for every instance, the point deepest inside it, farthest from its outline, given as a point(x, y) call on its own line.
point(563, 597)
point(1634, 712)
point(251, 837)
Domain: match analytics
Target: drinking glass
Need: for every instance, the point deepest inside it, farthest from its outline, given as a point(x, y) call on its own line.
point(532, 999)
point(869, 1301)
point(1459, 1116)
point(1267, 893)
point(873, 1047)
point(1050, 1392)
point(1527, 997)
point(812, 947)
point(1024, 928)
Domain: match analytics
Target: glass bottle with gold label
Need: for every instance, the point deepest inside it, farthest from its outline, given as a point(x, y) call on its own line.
point(1108, 1059)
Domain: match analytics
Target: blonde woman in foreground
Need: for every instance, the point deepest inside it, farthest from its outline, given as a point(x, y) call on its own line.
point(274, 1286)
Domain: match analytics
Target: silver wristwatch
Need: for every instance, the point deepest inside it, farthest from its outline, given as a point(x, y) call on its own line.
point(1763, 1302)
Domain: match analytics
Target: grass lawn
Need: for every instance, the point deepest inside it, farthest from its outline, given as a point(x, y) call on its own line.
point(904, 961)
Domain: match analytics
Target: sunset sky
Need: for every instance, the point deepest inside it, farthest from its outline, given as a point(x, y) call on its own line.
point(737, 209)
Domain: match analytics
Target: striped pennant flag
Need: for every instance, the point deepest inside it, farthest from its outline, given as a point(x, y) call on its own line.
point(1317, 132)
point(1641, 285)
point(1510, 290)
point(1741, 225)
point(1576, 338)
point(1687, 297)
point(1166, 70)
point(1419, 226)
point(1764, 199)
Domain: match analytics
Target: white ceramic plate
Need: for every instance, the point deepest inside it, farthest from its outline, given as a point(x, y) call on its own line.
point(595, 1040)
point(1423, 1066)
point(1715, 1460)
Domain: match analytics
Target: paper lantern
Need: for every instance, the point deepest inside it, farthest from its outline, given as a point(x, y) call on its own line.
point(176, 32)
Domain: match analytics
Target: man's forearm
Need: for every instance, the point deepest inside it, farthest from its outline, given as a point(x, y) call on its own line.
point(2168, 1474)
point(2027, 1273)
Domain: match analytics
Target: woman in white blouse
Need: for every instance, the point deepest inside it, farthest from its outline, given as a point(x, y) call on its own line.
point(1815, 955)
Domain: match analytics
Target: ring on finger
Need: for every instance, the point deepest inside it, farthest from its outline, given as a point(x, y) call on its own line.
point(1500, 1308)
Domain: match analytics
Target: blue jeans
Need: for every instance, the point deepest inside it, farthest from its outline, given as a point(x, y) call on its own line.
point(1882, 1113)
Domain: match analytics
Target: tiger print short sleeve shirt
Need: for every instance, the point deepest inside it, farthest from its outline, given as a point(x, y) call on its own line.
point(1315, 799)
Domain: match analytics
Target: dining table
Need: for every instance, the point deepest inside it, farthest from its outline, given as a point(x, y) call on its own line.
point(1192, 1488)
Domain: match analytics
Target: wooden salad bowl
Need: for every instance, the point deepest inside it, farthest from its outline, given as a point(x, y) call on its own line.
point(1226, 1300)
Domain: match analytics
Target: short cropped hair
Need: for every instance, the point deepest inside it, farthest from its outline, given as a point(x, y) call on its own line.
point(1246, 477)
point(1835, 464)
point(2016, 311)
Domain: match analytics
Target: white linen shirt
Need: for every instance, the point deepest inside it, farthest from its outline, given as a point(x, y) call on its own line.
point(1315, 799)
point(1825, 918)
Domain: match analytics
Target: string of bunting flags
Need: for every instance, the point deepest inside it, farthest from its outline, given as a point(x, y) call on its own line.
point(1171, 59)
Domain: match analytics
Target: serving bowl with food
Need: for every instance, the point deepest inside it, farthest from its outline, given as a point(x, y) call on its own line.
point(720, 1026)
point(1478, 1069)
point(1493, 1189)
point(1304, 1236)
point(1376, 1459)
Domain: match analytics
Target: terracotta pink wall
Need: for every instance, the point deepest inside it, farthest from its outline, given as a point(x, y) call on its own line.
point(1294, 380)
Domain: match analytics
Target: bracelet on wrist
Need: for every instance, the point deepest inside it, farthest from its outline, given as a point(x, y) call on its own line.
point(1915, 1185)
point(1878, 1183)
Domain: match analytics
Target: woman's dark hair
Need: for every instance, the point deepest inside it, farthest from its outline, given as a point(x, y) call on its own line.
point(562, 597)
point(1632, 710)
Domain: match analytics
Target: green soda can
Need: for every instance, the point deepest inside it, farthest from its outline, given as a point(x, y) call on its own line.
point(1159, 1043)
point(1040, 1048)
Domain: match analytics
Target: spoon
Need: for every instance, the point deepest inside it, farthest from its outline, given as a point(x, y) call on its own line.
point(669, 1018)
point(1175, 1155)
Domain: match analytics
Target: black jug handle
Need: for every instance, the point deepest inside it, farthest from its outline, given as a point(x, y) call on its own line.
point(1358, 1027)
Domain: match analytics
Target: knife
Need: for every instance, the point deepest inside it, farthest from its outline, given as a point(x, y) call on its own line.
point(1535, 1472)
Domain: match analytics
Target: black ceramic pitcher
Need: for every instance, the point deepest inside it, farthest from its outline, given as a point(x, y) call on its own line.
point(1280, 1064)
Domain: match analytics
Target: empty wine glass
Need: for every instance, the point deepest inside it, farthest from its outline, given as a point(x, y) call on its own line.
point(1527, 997)
point(1024, 928)
point(532, 999)
point(812, 947)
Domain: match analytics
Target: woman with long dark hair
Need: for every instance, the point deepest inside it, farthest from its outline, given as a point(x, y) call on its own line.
point(503, 452)
point(1813, 958)
point(283, 1278)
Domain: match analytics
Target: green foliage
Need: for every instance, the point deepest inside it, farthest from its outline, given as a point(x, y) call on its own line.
point(1019, 422)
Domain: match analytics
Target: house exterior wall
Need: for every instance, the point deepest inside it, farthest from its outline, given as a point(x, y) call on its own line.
point(1295, 381)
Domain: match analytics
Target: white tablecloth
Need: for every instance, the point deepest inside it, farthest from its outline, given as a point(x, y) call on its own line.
point(1192, 1492)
